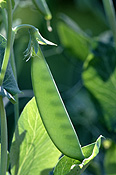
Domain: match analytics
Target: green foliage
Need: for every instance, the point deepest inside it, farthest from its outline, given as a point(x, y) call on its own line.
point(73, 37)
point(78, 74)
point(35, 40)
point(32, 151)
point(70, 166)
point(9, 87)
point(99, 77)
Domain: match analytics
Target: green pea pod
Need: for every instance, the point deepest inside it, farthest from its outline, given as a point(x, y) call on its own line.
point(52, 109)
point(42, 6)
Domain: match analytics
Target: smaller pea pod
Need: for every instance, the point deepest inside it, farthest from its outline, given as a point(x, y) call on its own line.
point(42, 6)
point(52, 110)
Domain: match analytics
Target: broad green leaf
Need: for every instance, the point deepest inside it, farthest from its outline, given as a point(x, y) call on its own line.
point(95, 151)
point(64, 165)
point(9, 83)
point(99, 77)
point(68, 166)
point(110, 160)
point(33, 151)
point(73, 38)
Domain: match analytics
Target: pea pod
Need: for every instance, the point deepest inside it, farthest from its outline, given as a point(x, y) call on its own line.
point(42, 6)
point(52, 109)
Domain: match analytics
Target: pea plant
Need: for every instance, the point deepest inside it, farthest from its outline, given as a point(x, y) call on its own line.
point(44, 141)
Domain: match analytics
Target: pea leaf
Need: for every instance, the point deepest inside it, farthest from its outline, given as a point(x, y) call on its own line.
point(9, 83)
point(64, 165)
point(68, 166)
point(32, 152)
point(99, 77)
point(73, 37)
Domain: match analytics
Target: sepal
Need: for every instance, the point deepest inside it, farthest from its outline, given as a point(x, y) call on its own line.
point(4, 93)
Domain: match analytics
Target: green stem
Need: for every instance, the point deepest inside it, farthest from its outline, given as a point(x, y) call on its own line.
point(16, 106)
point(16, 109)
point(28, 26)
point(110, 12)
point(4, 141)
point(4, 146)
point(9, 40)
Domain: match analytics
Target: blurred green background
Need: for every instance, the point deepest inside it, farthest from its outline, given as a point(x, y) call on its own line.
point(74, 22)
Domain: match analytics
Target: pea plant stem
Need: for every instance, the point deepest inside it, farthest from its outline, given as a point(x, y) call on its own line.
point(3, 139)
point(8, 45)
point(110, 13)
point(16, 106)
point(28, 26)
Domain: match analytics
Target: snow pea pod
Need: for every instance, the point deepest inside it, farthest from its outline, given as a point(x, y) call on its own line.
point(42, 6)
point(52, 110)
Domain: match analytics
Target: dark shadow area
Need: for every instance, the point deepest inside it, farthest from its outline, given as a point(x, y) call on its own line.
point(47, 172)
point(104, 60)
